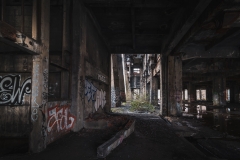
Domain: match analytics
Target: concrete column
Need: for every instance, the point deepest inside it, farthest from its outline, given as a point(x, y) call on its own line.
point(219, 91)
point(126, 81)
point(209, 93)
point(115, 90)
point(174, 86)
point(153, 90)
point(121, 79)
point(232, 92)
point(148, 91)
point(37, 138)
point(236, 93)
point(163, 86)
point(65, 76)
point(191, 92)
point(78, 64)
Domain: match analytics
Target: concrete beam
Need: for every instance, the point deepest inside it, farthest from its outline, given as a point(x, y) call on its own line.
point(138, 50)
point(12, 37)
point(197, 51)
point(128, 4)
point(198, 11)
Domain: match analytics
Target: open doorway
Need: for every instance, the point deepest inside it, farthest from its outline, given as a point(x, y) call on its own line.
point(135, 84)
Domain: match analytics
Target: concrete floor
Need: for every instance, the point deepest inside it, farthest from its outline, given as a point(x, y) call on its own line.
point(154, 138)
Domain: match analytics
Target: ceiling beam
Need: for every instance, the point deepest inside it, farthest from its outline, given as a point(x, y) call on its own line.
point(229, 34)
point(94, 3)
point(10, 36)
point(203, 4)
point(198, 51)
point(139, 50)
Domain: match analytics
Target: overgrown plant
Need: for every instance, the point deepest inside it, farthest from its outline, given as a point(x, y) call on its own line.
point(141, 104)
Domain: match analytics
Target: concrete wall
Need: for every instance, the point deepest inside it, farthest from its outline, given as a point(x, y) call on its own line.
point(97, 64)
point(15, 92)
point(47, 95)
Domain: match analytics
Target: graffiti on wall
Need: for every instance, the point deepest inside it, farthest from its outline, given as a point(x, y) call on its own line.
point(100, 99)
point(11, 91)
point(95, 95)
point(90, 91)
point(115, 97)
point(60, 119)
point(35, 105)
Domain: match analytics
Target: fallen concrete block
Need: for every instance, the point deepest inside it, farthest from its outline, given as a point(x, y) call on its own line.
point(108, 146)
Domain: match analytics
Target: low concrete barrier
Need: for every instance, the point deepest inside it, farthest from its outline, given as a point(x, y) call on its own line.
point(107, 147)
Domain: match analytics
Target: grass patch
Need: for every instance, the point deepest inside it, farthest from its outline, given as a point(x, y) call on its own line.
point(141, 104)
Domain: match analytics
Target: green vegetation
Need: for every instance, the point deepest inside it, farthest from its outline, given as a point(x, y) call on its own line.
point(141, 104)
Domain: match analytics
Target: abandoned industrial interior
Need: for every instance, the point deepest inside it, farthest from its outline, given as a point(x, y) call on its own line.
point(120, 79)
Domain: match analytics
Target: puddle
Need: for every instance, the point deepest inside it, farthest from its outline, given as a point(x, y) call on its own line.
point(225, 120)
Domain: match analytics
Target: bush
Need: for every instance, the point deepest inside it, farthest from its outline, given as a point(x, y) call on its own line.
point(141, 104)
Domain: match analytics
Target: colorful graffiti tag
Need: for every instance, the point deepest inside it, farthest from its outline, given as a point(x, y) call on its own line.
point(11, 92)
point(97, 96)
point(59, 119)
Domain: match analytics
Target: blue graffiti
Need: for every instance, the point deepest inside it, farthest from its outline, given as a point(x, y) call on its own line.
point(90, 90)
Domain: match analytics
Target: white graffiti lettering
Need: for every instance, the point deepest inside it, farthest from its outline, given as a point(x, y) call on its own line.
point(100, 99)
point(11, 92)
point(59, 117)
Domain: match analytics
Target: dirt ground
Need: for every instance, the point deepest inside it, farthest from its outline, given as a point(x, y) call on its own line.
point(154, 138)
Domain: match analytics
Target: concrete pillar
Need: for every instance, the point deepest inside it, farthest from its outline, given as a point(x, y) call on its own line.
point(209, 93)
point(126, 81)
point(78, 64)
point(174, 86)
point(191, 92)
point(37, 138)
point(115, 90)
point(141, 83)
point(232, 92)
point(153, 90)
point(163, 86)
point(219, 91)
point(236, 93)
point(65, 76)
point(148, 91)
point(121, 79)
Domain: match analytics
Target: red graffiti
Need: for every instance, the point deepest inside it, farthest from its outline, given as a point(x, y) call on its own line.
point(59, 118)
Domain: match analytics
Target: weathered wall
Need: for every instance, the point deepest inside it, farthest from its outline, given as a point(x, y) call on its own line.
point(97, 60)
point(15, 92)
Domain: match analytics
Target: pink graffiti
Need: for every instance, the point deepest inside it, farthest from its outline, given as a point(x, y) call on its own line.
point(59, 118)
